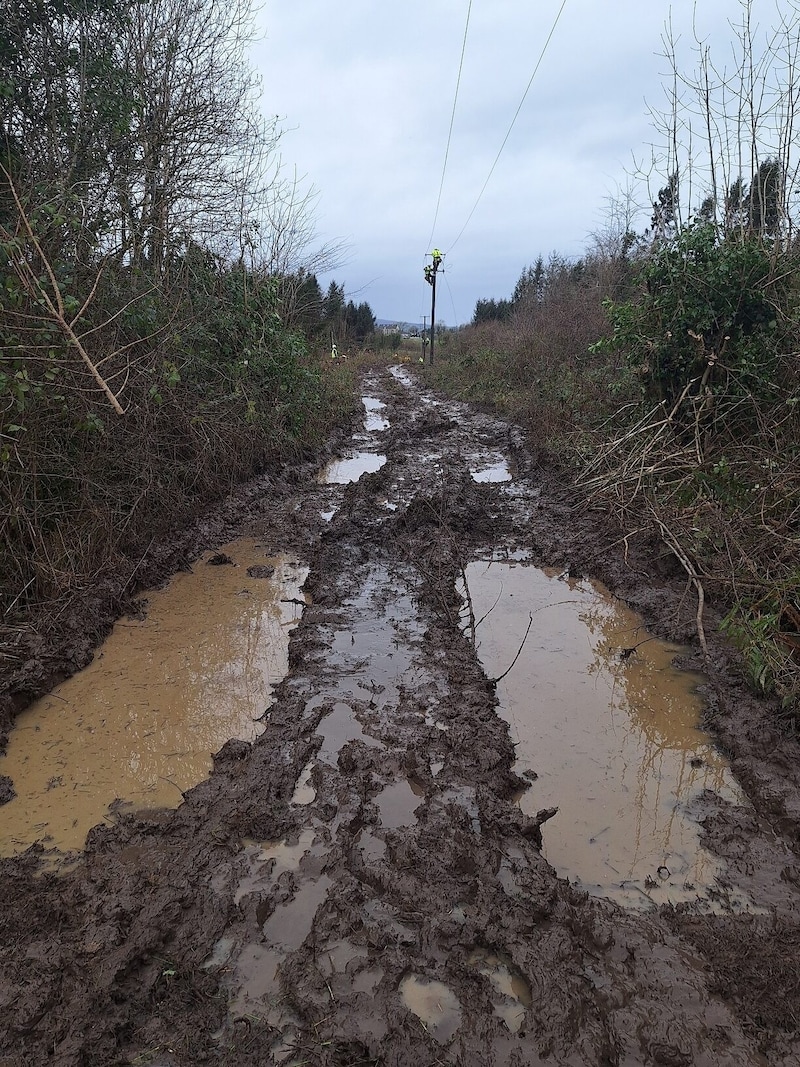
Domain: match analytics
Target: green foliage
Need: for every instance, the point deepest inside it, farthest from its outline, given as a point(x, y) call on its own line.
point(359, 322)
point(758, 629)
point(530, 285)
point(701, 299)
point(492, 311)
point(534, 362)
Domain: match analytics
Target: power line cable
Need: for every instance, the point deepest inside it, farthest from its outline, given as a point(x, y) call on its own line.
point(450, 131)
point(511, 127)
point(452, 302)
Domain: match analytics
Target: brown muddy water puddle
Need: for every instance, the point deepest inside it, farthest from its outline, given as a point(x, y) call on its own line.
point(512, 992)
point(613, 738)
point(434, 1004)
point(162, 694)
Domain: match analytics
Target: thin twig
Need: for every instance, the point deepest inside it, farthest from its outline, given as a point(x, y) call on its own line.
point(494, 681)
point(671, 542)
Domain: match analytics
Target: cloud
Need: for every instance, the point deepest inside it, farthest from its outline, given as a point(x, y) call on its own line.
point(367, 91)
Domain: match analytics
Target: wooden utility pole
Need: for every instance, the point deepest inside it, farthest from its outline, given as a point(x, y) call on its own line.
point(433, 314)
point(431, 271)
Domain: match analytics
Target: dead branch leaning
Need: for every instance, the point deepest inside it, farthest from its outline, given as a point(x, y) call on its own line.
point(53, 301)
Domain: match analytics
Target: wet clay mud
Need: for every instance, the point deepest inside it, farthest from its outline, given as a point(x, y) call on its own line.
point(372, 873)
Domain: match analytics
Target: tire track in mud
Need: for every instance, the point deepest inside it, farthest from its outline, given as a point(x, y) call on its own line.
point(358, 886)
point(428, 877)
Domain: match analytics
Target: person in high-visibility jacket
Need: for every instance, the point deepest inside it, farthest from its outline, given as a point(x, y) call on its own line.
point(437, 258)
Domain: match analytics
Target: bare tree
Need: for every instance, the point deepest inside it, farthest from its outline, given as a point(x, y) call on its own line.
point(729, 127)
point(193, 123)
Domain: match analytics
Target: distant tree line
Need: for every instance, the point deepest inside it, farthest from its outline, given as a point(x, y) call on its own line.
point(533, 285)
point(329, 315)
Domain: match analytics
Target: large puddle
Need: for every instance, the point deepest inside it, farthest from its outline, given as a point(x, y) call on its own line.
point(612, 734)
point(162, 694)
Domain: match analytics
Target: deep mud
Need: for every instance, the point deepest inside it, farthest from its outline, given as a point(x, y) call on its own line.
point(360, 885)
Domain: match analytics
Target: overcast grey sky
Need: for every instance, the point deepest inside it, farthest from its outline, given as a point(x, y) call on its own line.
point(365, 90)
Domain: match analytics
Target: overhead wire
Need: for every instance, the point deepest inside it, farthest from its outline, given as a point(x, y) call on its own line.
point(511, 127)
point(452, 301)
point(452, 120)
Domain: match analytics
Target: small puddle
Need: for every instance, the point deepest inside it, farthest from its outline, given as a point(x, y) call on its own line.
point(336, 729)
point(256, 976)
point(373, 848)
point(396, 804)
point(432, 721)
point(373, 420)
point(491, 468)
point(513, 990)
point(221, 953)
point(401, 375)
point(434, 1004)
point(346, 970)
point(290, 923)
point(334, 957)
point(253, 973)
point(614, 740)
point(464, 797)
point(350, 469)
point(304, 791)
point(367, 981)
point(268, 861)
point(374, 651)
point(162, 693)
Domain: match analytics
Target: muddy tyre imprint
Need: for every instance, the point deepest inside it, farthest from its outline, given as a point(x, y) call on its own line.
point(360, 884)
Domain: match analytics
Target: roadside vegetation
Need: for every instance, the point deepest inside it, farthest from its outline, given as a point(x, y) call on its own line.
point(663, 367)
point(162, 330)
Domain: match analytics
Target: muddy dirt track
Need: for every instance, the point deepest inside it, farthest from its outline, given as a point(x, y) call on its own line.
point(360, 885)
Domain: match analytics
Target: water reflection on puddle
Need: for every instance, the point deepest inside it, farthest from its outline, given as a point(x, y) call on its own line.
point(350, 469)
point(373, 655)
point(614, 740)
point(267, 861)
point(338, 728)
point(433, 1003)
point(163, 693)
point(512, 990)
point(396, 804)
point(252, 973)
point(304, 791)
point(490, 468)
point(400, 374)
point(373, 420)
